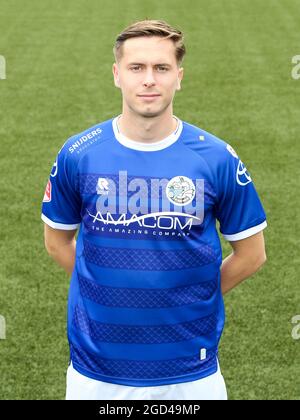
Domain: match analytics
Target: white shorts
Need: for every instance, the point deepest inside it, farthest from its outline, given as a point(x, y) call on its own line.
point(80, 387)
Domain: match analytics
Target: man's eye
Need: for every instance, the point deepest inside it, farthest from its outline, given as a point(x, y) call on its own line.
point(159, 68)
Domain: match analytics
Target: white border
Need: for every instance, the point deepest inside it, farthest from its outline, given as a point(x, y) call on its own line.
point(60, 226)
point(147, 147)
point(246, 233)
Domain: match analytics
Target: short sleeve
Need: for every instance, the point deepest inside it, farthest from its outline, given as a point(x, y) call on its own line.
point(61, 205)
point(239, 209)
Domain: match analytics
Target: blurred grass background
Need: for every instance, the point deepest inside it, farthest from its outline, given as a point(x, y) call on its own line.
point(237, 85)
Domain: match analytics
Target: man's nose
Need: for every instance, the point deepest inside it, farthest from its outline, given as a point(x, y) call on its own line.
point(149, 78)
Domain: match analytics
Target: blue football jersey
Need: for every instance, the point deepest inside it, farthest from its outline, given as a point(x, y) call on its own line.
point(145, 306)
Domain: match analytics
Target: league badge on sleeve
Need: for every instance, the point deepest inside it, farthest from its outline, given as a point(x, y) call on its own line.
point(47, 195)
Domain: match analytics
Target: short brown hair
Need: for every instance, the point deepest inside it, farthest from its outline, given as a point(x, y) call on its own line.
point(151, 28)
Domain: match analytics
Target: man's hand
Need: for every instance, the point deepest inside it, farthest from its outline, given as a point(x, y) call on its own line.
point(247, 257)
point(61, 245)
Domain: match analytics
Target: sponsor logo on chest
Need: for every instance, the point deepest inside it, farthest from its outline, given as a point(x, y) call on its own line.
point(153, 202)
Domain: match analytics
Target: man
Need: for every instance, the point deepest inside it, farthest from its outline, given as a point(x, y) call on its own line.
point(145, 310)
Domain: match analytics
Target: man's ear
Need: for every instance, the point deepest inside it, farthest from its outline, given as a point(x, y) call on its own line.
point(116, 75)
point(180, 77)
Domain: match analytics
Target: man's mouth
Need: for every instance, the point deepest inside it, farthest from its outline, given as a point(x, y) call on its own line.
point(149, 96)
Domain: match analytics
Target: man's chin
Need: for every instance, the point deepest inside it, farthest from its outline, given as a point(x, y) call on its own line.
point(150, 113)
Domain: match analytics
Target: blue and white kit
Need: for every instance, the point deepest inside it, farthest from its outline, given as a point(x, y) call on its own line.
point(145, 305)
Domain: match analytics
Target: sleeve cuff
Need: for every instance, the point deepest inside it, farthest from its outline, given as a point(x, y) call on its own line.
point(246, 233)
point(61, 226)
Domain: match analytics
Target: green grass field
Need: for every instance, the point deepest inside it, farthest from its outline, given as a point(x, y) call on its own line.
point(237, 85)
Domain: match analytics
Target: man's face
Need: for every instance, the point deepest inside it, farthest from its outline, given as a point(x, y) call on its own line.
point(148, 66)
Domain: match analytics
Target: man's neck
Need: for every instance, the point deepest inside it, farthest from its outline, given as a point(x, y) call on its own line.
point(146, 130)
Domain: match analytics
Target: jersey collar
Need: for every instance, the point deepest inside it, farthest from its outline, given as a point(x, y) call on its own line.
point(147, 147)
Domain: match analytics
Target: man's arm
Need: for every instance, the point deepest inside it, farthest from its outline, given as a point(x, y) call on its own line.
point(247, 257)
point(61, 245)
